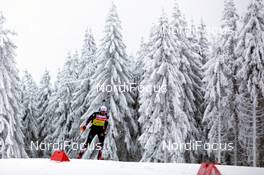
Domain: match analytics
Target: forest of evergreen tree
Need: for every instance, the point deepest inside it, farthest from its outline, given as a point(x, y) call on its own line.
point(214, 92)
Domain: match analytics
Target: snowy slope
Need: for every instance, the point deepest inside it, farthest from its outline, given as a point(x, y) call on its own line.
point(94, 167)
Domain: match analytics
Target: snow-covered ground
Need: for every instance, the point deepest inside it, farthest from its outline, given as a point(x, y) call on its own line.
point(94, 167)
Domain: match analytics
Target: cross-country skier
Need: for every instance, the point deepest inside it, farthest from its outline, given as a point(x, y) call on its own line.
point(99, 123)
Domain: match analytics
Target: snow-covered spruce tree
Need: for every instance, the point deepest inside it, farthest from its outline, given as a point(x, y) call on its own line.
point(191, 67)
point(83, 83)
point(74, 66)
point(138, 71)
point(179, 24)
point(217, 115)
point(193, 37)
point(228, 44)
point(46, 120)
point(139, 62)
point(87, 67)
point(162, 119)
point(250, 74)
point(203, 42)
point(30, 112)
point(11, 136)
point(43, 97)
point(136, 67)
point(220, 98)
point(57, 113)
point(111, 72)
point(62, 120)
point(88, 53)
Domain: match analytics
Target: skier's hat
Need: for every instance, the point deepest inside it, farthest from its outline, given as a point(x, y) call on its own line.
point(103, 109)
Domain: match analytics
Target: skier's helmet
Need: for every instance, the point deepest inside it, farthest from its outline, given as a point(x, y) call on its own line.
point(103, 109)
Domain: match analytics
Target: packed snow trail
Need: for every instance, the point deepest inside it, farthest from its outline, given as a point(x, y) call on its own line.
point(87, 167)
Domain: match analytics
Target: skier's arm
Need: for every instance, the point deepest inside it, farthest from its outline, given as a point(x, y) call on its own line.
point(90, 119)
point(83, 128)
point(106, 125)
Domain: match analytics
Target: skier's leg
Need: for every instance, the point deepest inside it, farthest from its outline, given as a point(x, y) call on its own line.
point(101, 137)
point(89, 139)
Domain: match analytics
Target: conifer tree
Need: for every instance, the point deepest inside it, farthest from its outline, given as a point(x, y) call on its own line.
point(62, 120)
point(229, 40)
point(250, 74)
point(83, 83)
point(29, 118)
point(43, 97)
point(203, 42)
point(57, 113)
point(11, 136)
point(162, 119)
point(221, 89)
point(191, 67)
point(112, 71)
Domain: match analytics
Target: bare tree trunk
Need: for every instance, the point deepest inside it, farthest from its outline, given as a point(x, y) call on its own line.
point(254, 133)
point(236, 142)
point(219, 139)
point(236, 121)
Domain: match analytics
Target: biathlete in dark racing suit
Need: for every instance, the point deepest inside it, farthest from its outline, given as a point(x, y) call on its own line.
point(99, 121)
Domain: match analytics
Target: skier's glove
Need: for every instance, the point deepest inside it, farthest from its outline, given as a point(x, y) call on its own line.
point(83, 128)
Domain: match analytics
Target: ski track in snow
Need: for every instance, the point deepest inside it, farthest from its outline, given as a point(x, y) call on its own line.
point(86, 167)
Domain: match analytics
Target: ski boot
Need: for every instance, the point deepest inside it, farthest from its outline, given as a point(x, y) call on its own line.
point(100, 155)
point(80, 155)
